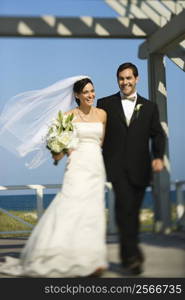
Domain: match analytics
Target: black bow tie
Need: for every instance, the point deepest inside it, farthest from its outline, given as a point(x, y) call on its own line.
point(133, 98)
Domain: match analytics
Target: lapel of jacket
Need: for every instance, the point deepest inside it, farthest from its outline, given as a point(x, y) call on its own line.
point(119, 109)
point(135, 113)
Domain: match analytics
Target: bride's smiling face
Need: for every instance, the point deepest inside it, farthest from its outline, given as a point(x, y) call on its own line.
point(87, 95)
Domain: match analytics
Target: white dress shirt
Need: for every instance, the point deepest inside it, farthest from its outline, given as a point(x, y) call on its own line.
point(128, 106)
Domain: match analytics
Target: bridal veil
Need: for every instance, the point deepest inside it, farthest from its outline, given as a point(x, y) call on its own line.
point(26, 117)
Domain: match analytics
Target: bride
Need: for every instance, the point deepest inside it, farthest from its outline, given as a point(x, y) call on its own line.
point(69, 239)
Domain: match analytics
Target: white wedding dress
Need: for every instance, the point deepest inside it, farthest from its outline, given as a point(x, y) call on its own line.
point(69, 239)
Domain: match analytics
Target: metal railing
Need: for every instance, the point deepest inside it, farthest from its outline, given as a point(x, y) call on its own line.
point(180, 203)
point(111, 225)
point(39, 190)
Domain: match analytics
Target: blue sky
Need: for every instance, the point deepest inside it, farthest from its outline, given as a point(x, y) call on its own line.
point(28, 64)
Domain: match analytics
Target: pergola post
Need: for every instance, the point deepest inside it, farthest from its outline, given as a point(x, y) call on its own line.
point(161, 181)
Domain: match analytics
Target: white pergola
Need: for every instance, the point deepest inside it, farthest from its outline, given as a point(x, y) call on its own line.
point(160, 22)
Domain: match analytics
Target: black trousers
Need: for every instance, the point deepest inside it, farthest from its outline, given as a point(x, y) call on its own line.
point(128, 201)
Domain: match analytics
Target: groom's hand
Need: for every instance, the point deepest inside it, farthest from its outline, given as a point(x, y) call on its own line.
point(157, 165)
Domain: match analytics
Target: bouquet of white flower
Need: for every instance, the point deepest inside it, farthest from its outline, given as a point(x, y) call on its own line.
point(60, 134)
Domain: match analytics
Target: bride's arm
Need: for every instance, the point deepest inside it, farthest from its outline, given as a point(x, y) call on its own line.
point(104, 121)
point(102, 140)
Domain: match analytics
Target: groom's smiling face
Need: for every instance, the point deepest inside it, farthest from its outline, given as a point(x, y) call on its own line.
point(127, 81)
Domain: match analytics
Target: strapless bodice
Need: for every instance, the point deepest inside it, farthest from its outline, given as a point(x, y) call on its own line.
point(89, 132)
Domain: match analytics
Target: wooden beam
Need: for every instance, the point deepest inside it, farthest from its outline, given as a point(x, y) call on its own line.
point(165, 38)
point(177, 56)
point(161, 180)
point(76, 27)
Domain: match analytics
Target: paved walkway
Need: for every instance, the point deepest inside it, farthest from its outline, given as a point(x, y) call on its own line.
point(165, 254)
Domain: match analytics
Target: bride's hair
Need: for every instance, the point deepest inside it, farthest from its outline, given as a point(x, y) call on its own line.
point(79, 85)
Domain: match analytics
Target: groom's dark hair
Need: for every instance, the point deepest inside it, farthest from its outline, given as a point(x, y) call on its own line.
point(127, 65)
point(79, 85)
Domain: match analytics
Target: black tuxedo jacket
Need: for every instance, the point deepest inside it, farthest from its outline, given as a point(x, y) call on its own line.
point(129, 149)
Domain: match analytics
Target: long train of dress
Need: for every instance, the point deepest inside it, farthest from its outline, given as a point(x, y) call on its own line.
point(69, 239)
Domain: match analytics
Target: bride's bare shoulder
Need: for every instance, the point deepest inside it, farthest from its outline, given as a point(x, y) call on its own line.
point(102, 114)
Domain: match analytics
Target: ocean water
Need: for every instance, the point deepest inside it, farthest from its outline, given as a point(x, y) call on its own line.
point(28, 202)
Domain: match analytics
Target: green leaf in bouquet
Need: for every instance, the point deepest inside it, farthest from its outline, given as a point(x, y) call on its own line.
point(50, 130)
point(60, 116)
point(67, 127)
point(70, 127)
point(68, 119)
point(60, 129)
point(71, 116)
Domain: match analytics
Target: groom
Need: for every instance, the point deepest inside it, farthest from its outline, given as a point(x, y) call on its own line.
point(130, 158)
